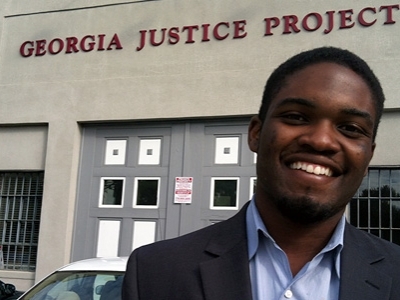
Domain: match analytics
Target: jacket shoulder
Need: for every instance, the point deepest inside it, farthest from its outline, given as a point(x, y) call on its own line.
point(223, 233)
point(171, 269)
point(371, 244)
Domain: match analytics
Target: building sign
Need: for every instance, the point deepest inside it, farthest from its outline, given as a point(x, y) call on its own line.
point(325, 22)
point(183, 190)
point(68, 45)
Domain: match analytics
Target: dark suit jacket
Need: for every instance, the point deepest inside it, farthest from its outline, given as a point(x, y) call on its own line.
point(212, 264)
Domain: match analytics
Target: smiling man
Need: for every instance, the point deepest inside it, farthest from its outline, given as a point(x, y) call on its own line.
point(314, 137)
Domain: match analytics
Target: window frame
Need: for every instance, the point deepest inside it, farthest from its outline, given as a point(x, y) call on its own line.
point(20, 214)
point(365, 217)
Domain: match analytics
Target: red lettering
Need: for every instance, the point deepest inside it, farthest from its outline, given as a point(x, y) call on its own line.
point(40, 48)
point(389, 12)
point(153, 34)
point(115, 42)
point(91, 44)
point(205, 33)
point(269, 24)
point(142, 40)
point(60, 46)
point(190, 29)
point(239, 30)
point(345, 17)
point(30, 49)
point(174, 35)
point(71, 45)
point(290, 22)
point(216, 31)
point(330, 21)
point(100, 46)
point(361, 19)
point(317, 18)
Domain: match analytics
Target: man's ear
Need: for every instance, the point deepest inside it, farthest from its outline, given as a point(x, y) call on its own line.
point(373, 146)
point(254, 133)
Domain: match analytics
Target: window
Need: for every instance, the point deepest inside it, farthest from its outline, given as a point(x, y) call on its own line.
point(376, 206)
point(112, 191)
point(147, 191)
point(20, 209)
point(224, 193)
point(83, 285)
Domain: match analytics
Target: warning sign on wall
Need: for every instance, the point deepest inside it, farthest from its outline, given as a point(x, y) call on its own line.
point(183, 190)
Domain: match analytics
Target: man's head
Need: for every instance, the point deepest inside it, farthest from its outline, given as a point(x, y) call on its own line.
point(324, 54)
point(315, 135)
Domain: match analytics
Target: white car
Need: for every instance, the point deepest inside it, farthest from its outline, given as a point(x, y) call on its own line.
point(89, 279)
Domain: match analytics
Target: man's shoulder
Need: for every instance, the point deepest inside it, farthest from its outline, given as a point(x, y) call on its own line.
point(223, 233)
point(372, 244)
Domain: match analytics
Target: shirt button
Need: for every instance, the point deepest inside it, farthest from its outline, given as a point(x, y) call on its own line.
point(288, 294)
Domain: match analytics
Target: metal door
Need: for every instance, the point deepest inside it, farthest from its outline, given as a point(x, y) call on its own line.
point(126, 195)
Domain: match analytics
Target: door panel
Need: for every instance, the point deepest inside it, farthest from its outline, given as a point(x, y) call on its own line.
point(145, 159)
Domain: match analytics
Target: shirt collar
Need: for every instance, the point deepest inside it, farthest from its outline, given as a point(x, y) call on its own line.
point(255, 225)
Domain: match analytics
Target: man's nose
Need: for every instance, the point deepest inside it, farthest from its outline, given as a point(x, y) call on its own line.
point(322, 136)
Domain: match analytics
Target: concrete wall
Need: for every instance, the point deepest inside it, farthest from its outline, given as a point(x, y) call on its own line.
point(188, 79)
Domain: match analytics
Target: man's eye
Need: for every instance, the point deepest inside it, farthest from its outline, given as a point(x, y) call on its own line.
point(352, 130)
point(294, 117)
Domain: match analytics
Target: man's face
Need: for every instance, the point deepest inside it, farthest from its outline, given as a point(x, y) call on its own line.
point(315, 144)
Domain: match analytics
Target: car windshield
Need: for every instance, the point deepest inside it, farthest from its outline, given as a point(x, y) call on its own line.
point(78, 285)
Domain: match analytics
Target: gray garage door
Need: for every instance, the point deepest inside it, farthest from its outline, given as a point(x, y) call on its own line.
point(144, 182)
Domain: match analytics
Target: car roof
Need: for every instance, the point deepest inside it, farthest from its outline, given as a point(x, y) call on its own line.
point(97, 264)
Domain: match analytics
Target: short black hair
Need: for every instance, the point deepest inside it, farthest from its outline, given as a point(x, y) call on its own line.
point(320, 55)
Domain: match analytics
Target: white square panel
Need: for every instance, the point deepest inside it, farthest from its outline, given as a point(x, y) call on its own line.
point(144, 232)
point(226, 150)
point(149, 151)
point(253, 185)
point(115, 152)
point(108, 238)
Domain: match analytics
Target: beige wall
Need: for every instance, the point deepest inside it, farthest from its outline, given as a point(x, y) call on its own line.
point(23, 147)
point(388, 140)
point(201, 79)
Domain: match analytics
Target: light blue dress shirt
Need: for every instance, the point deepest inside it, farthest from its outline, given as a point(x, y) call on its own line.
point(271, 277)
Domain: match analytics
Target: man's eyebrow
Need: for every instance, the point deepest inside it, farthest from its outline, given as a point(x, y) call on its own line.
point(359, 113)
point(300, 101)
point(351, 111)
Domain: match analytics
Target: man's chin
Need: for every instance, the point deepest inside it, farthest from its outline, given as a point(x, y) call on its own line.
point(304, 210)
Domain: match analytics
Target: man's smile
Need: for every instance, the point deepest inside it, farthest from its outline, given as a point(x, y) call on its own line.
point(311, 168)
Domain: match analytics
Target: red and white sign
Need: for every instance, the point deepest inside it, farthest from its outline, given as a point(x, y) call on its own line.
point(183, 190)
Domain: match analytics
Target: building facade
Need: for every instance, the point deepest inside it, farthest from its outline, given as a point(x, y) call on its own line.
point(125, 122)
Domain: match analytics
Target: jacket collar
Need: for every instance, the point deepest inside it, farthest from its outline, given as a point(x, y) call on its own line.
point(359, 279)
point(226, 276)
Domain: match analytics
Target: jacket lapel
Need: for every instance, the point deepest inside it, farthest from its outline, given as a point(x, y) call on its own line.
point(359, 279)
point(226, 276)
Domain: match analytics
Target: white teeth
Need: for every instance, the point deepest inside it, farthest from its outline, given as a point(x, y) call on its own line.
point(317, 170)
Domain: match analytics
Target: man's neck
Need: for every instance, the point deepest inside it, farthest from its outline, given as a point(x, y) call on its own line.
point(300, 242)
